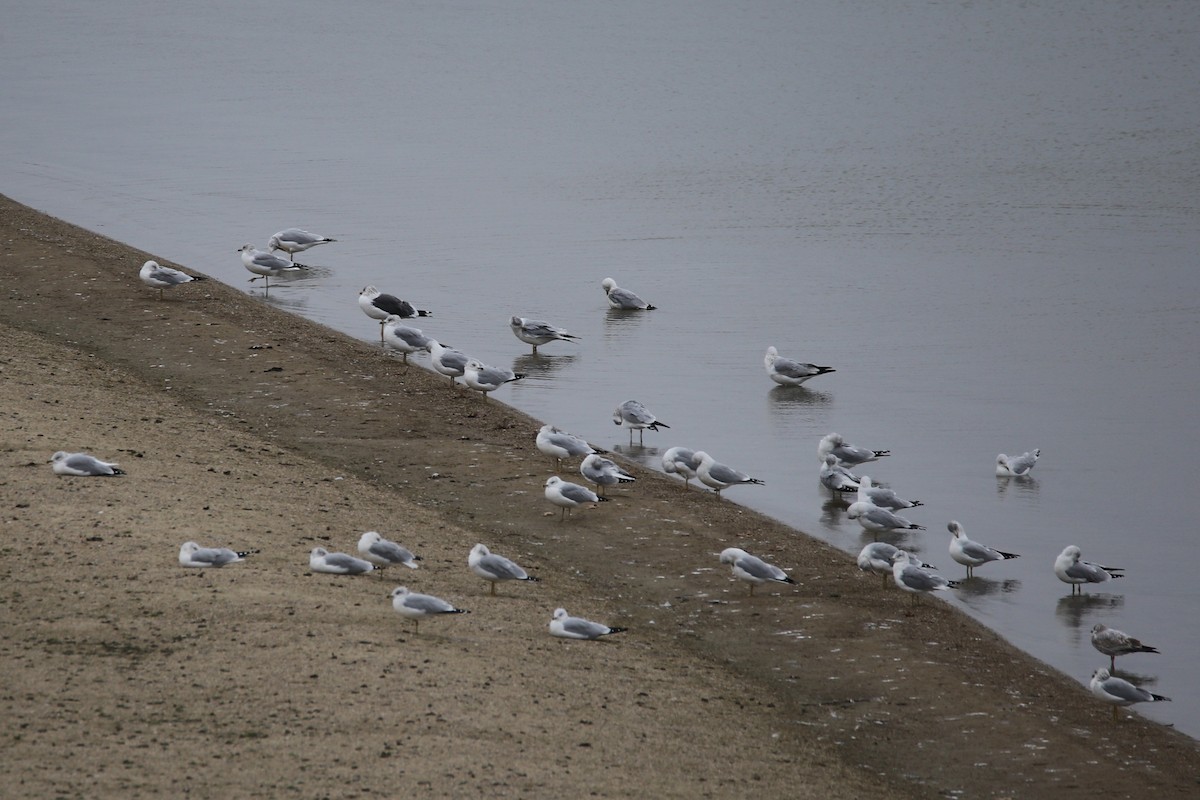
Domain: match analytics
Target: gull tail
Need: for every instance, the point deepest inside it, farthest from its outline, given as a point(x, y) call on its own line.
point(756, 480)
point(656, 425)
point(953, 584)
point(602, 499)
point(1009, 555)
point(916, 527)
point(516, 377)
point(650, 307)
point(244, 553)
point(788, 579)
point(622, 630)
point(531, 578)
point(823, 370)
point(423, 313)
point(118, 471)
point(1159, 697)
point(881, 453)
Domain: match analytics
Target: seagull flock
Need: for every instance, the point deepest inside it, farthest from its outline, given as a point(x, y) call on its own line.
point(875, 507)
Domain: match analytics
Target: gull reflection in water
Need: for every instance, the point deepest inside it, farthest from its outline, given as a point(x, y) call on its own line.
point(646, 456)
point(541, 365)
point(1077, 612)
point(790, 398)
point(1021, 486)
point(975, 590)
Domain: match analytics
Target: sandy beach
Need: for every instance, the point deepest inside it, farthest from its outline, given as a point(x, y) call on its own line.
point(242, 426)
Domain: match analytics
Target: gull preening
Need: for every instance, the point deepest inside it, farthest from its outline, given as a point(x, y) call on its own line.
point(384, 553)
point(911, 578)
point(402, 338)
point(377, 305)
point(1017, 466)
point(193, 555)
point(485, 379)
point(880, 496)
point(568, 627)
point(495, 568)
point(623, 299)
point(294, 240)
point(837, 478)
point(559, 444)
point(160, 277)
point(1120, 692)
point(848, 455)
point(879, 520)
point(538, 332)
point(752, 569)
point(265, 265)
point(83, 465)
point(1071, 568)
point(718, 476)
point(681, 461)
point(969, 553)
point(568, 496)
point(1112, 643)
point(636, 417)
point(321, 560)
point(415, 606)
point(448, 361)
point(879, 558)
point(786, 372)
point(603, 472)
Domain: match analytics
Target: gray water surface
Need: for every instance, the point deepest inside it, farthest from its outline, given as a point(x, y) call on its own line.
point(984, 216)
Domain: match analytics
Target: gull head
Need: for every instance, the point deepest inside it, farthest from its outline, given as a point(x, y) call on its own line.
point(731, 554)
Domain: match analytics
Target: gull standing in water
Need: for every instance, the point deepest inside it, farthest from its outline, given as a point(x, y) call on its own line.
point(383, 553)
point(567, 495)
point(836, 478)
point(403, 339)
point(82, 465)
point(718, 476)
point(160, 277)
point(567, 627)
point(879, 558)
point(448, 361)
point(623, 299)
point(484, 379)
point(321, 560)
point(414, 606)
point(537, 332)
point(266, 265)
point(911, 578)
point(786, 372)
point(1120, 692)
point(972, 554)
point(1017, 466)
point(193, 555)
point(294, 240)
point(681, 461)
point(752, 569)
point(1070, 568)
point(848, 455)
point(603, 472)
point(559, 444)
point(377, 305)
point(636, 417)
point(884, 498)
point(879, 520)
point(493, 568)
point(1112, 643)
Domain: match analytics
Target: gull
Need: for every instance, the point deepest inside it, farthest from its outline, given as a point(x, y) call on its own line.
point(446, 360)
point(403, 339)
point(414, 605)
point(193, 555)
point(718, 476)
point(911, 578)
point(294, 240)
point(879, 557)
point(884, 498)
point(1017, 466)
point(484, 379)
point(972, 554)
point(681, 461)
point(321, 560)
point(160, 277)
point(1112, 643)
point(537, 332)
point(265, 265)
point(493, 568)
point(567, 495)
point(879, 520)
point(1071, 569)
point(752, 569)
point(836, 478)
point(559, 444)
point(623, 299)
point(383, 553)
point(636, 417)
point(83, 465)
point(377, 305)
point(1120, 692)
point(847, 454)
point(568, 627)
point(603, 472)
point(786, 372)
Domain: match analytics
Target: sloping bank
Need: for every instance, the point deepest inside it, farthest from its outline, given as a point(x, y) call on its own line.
point(255, 428)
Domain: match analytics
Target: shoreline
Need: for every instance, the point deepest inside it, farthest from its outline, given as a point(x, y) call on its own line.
point(702, 696)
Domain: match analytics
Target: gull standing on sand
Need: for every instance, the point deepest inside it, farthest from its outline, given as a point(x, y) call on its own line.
point(752, 569)
point(681, 461)
point(911, 578)
point(718, 476)
point(265, 265)
point(383, 553)
point(414, 605)
point(494, 568)
point(193, 555)
point(868, 492)
point(636, 417)
point(879, 520)
point(402, 338)
point(880, 558)
point(160, 277)
point(623, 299)
point(484, 379)
point(1017, 466)
point(448, 361)
point(1070, 568)
point(537, 332)
point(603, 472)
point(786, 372)
point(567, 495)
point(1120, 692)
point(567, 627)
point(1112, 643)
point(321, 560)
point(377, 305)
point(83, 465)
point(294, 240)
point(972, 554)
point(559, 444)
point(848, 455)
point(837, 478)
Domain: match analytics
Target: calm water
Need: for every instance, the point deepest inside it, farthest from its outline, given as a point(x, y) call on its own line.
point(983, 215)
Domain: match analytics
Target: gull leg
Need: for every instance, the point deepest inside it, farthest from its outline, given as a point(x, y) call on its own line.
point(493, 583)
